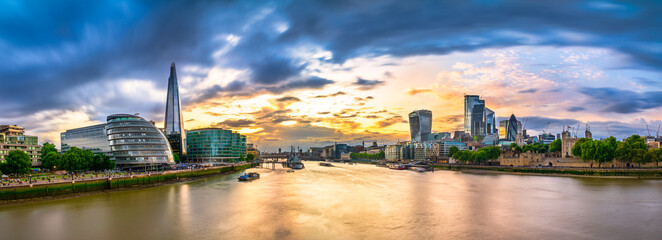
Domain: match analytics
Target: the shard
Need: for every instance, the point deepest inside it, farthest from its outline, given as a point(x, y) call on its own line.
point(174, 126)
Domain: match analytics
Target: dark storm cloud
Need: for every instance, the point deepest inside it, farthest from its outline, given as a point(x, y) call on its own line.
point(364, 84)
point(270, 71)
point(405, 28)
point(288, 99)
point(576, 109)
point(310, 83)
point(622, 101)
point(234, 123)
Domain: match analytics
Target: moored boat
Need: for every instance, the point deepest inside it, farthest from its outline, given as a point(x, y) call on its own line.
point(249, 176)
point(398, 167)
point(326, 164)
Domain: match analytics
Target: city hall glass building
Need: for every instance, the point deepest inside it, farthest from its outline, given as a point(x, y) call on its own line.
point(136, 142)
point(214, 145)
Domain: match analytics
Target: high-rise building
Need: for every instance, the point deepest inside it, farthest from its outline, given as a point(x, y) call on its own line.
point(420, 125)
point(490, 122)
point(174, 124)
point(474, 115)
point(508, 129)
point(12, 138)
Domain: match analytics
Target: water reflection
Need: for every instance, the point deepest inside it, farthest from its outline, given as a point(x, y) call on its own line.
point(354, 202)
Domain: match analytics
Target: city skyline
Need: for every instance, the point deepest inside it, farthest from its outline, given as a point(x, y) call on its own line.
point(286, 76)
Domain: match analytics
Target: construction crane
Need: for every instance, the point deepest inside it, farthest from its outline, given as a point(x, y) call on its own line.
point(577, 130)
point(649, 131)
point(609, 131)
point(547, 127)
point(658, 131)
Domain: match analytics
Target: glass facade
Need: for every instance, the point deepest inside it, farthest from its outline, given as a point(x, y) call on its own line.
point(92, 138)
point(508, 129)
point(174, 125)
point(136, 142)
point(215, 145)
point(490, 122)
point(474, 115)
point(420, 125)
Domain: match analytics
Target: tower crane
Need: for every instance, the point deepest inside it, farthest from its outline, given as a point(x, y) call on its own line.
point(609, 131)
point(649, 131)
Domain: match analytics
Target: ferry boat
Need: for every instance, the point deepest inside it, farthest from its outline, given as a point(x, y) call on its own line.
point(398, 167)
point(249, 176)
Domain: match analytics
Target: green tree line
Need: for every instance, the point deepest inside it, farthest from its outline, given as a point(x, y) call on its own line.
point(482, 155)
point(376, 156)
point(74, 160)
point(632, 150)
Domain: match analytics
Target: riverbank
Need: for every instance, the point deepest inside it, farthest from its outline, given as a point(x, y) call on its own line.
point(555, 171)
point(24, 194)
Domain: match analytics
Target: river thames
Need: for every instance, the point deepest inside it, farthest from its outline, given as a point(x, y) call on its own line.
point(353, 202)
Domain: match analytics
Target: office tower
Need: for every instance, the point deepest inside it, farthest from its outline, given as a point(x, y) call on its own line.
point(174, 125)
point(215, 145)
point(490, 122)
point(93, 138)
point(474, 115)
point(420, 125)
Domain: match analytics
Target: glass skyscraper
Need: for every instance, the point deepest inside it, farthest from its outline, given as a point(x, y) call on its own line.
point(474, 115)
point(508, 129)
point(173, 124)
point(420, 125)
point(490, 122)
point(215, 145)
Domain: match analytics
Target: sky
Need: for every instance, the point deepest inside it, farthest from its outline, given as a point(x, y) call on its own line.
point(311, 73)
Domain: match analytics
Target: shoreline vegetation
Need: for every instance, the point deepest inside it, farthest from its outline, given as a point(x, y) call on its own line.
point(45, 192)
point(558, 171)
point(604, 172)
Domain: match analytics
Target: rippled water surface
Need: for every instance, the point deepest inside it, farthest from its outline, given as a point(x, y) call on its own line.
point(354, 202)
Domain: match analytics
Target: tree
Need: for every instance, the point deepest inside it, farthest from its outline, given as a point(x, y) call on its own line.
point(513, 146)
point(577, 148)
point(47, 148)
point(176, 158)
point(632, 150)
point(605, 151)
point(588, 150)
point(77, 159)
point(555, 146)
point(242, 158)
point(452, 150)
point(102, 162)
point(16, 161)
point(250, 157)
point(51, 160)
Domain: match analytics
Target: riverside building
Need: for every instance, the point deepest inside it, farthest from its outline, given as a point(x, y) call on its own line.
point(136, 143)
point(174, 124)
point(91, 138)
point(133, 142)
point(420, 125)
point(12, 138)
point(215, 145)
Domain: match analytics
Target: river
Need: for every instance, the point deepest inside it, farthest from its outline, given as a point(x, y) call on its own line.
point(353, 202)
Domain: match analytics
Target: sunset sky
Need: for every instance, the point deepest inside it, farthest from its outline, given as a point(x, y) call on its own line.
point(309, 73)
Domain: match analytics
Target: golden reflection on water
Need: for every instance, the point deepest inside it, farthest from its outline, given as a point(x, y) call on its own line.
point(353, 202)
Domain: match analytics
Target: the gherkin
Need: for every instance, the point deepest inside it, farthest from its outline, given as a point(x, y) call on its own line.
point(174, 125)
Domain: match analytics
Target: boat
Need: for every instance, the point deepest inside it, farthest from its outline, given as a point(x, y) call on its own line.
point(326, 164)
point(397, 167)
point(419, 169)
point(297, 165)
point(249, 176)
